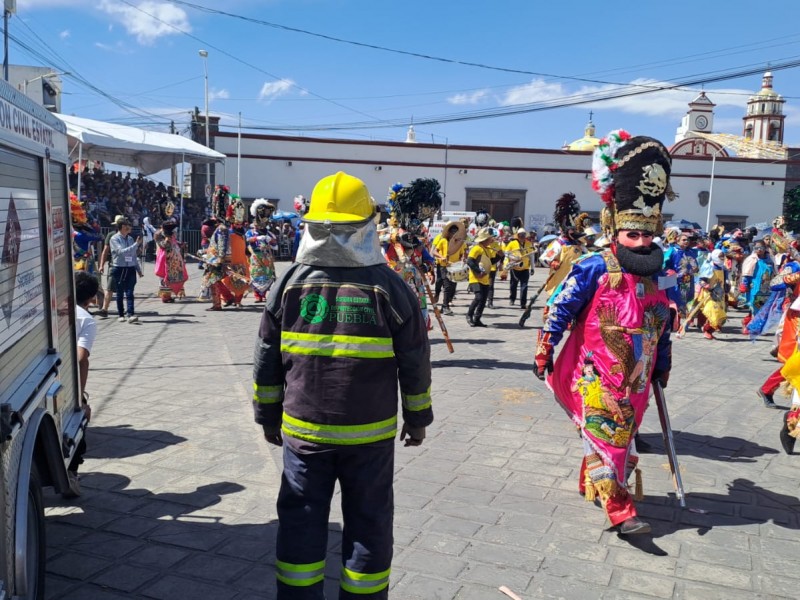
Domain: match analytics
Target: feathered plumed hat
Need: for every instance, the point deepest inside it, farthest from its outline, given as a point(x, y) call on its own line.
point(236, 213)
point(415, 203)
point(631, 174)
point(261, 210)
point(79, 218)
point(482, 217)
point(219, 202)
point(568, 209)
point(300, 205)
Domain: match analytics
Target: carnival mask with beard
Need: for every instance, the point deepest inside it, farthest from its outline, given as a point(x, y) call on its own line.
point(643, 261)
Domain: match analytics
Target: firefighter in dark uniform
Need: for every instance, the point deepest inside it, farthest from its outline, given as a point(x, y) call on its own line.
point(339, 331)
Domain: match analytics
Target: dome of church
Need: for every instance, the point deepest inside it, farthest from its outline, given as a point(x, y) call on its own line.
point(587, 143)
point(766, 92)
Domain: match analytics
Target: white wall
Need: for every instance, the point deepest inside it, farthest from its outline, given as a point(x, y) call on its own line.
point(544, 174)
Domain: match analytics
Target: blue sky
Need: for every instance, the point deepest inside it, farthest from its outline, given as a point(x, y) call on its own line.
point(276, 77)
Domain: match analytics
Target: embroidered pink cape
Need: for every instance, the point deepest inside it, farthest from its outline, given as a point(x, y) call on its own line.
point(602, 375)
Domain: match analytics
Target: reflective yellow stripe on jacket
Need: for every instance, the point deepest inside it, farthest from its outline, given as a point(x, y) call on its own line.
point(342, 435)
point(415, 402)
point(330, 344)
point(267, 394)
point(364, 583)
point(300, 575)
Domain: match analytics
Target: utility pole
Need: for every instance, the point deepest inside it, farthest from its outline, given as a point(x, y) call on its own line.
point(9, 8)
point(174, 170)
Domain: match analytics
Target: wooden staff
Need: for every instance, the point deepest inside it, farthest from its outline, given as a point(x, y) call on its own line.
point(695, 309)
point(438, 316)
point(529, 308)
point(401, 255)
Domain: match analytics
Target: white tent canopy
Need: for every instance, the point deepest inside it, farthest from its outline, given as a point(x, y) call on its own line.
point(148, 151)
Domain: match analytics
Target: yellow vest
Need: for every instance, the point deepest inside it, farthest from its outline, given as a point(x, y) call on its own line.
point(480, 254)
point(441, 245)
point(514, 250)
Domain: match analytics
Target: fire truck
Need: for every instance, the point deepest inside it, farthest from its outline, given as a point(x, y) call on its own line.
point(41, 420)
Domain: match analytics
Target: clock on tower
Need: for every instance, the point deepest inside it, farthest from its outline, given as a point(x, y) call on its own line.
point(701, 122)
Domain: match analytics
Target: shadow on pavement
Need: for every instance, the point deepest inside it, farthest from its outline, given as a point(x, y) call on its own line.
point(164, 545)
point(515, 325)
point(479, 341)
point(481, 363)
point(122, 441)
point(727, 448)
point(745, 505)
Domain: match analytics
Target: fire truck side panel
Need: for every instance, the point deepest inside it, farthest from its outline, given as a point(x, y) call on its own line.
point(40, 417)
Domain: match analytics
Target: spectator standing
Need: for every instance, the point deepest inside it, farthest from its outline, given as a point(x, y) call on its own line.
point(86, 288)
point(105, 257)
point(124, 269)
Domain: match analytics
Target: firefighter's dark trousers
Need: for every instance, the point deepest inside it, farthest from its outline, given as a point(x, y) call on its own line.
point(365, 476)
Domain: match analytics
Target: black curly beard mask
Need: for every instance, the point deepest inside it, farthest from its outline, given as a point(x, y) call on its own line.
point(642, 261)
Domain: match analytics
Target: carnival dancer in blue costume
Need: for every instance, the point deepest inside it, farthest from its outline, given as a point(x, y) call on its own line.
point(683, 261)
point(621, 318)
point(757, 271)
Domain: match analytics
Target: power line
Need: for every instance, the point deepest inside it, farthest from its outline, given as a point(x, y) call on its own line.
point(431, 57)
point(252, 66)
point(575, 100)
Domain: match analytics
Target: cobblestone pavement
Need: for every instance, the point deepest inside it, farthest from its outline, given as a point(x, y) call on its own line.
point(179, 486)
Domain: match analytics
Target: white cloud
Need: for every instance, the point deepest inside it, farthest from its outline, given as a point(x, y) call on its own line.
point(118, 48)
point(671, 103)
point(150, 20)
point(64, 34)
point(218, 95)
point(535, 91)
point(473, 98)
point(273, 89)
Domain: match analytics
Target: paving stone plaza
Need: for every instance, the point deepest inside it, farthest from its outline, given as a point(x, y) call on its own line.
point(179, 486)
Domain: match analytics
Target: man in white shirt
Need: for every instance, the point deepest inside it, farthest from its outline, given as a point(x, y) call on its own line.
point(86, 286)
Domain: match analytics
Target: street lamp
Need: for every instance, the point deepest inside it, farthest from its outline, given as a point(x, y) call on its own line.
point(204, 55)
point(45, 76)
point(711, 185)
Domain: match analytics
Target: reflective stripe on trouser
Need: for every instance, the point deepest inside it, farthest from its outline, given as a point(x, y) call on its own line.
point(300, 575)
point(364, 583)
point(342, 435)
point(267, 394)
point(365, 476)
point(350, 346)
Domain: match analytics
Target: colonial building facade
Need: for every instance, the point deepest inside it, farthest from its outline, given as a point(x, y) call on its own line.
point(526, 181)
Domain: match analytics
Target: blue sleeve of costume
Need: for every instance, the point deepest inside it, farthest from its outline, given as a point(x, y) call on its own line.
point(578, 289)
point(674, 295)
point(426, 256)
point(664, 352)
point(669, 257)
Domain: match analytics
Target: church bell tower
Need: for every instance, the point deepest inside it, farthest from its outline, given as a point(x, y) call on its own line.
point(764, 121)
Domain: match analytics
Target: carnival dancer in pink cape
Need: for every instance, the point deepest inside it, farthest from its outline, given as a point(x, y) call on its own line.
point(621, 317)
point(170, 267)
